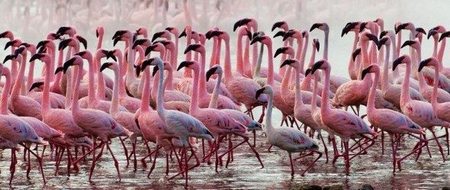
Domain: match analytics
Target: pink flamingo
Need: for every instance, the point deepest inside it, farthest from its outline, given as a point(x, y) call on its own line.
point(443, 42)
point(178, 123)
point(223, 102)
point(420, 112)
point(93, 101)
point(425, 90)
point(99, 32)
point(15, 130)
point(388, 120)
point(97, 123)
point(289, 139)
point(343, 123)
point(8, 34)
point(352, 67)
point(124, 118)
point(335, 81)
point(19, 104)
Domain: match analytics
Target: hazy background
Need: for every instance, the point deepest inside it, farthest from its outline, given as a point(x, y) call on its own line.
point(31, 20)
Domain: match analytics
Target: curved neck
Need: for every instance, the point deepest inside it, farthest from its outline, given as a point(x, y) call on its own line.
point(58, 76)
point(160, 98)
point(175, 54)
point(246, 59)
point(115, 96)
point(13, 65)
point(270, 57)
point(46, 90)
point(385, 77)
point(215, 94)
point(194, 99)
point(282, 70)
point(5, 92)
point(257, 68)
point(315, 93)
point(187, 72)
point(287, 79)
point(365, 54)
point(168, 82)
point(269, 113)
point(130, 61)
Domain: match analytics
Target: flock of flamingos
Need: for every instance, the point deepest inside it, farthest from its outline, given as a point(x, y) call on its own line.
point(192, 114)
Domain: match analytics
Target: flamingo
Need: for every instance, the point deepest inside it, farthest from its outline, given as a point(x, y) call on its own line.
point(95, 122)
point(388, 120)
point(289, 139)
point(344, 124)
point(434, 32)
point(241, 88)
point(124, 118)
point(420, 112)
point(335, 81)
point(15, 130)
point(391, 92)
point(223, 102)
point(19, 104)
point(425, 90)
point(180, 124)
point(352, 67)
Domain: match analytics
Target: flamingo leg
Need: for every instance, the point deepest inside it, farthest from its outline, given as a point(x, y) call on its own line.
point(346, 158)
point(28, 165)
point(439, 145)
point(102, 144)
point(418, 147)
point(12, 167)
point(324, 147)
point(292, 165)
point(313, 163)
point(125, 151)
point(154, 161)
point(89, 152)
point(39, 161)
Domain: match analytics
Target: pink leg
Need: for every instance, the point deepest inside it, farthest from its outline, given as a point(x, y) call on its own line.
point(116, 163)
point(102, 144)
point(439, 145)
point(292, 165)
point(324, 147)
point(125, 151)
point(346, 158)
point(154, 161)
point(28, 165)
point(12, 167)
point(39, 161)
point(313, 163)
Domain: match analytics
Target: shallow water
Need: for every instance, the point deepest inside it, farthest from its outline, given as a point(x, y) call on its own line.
point(245, 172)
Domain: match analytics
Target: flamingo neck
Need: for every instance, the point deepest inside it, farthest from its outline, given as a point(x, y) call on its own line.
point(422, 83)
point(19, 80)
point(145, 100)
point(100, 79)
point(168, 82)
point(5, 92)
point(286, 80)
point(303, 56)
point(270, 57)
point(257, 68)
point(373, 89)
point(100, 41)
point(215, 94)
point(385, 77)
point(441, 52)
point(435, 47)
point(175, 54)
point(115, 96)
point(160, 98)
point(247, 69)
point(194, 101)
point(404, 96)
point(188, 72)
point(75, 106)
point(46, 90)
point(227, 64)
point(298, 92)
point(240, 64)
point(13, 65)
point(269, 126)
point(130, 62)
point(315, 93)
point(326, 87)
point(435, 87)
point(282, 70)
point(91, 87)
point(325, 49)
point(202, 78)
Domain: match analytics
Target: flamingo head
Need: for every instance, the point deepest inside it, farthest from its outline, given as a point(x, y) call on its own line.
point(13, 43)
point(53, 36)
point(420, 32)
point(162, 34)
point(316, 44)
point(402, 59)
point(292, 33)
point(75, 60)
point(85, 55)
point(66, 30)
point(100, 31)
point(187, 29)
point(172, 30)
point(141, 42)
point(291, 62)
point(242, 22)
point(121, 35)
point(157, 46)
point(195, 47)
point(7, 34)
point(350, 26)
point(188, 64)
point(261, 38)
point(41, 56)
point(403, 26)
point(430, 62)
point(370, 69)
point(67, 42)
point(433, 33)
point(322, 64)
point(30, 47)
point(142, 31)
point(321, 26)
point(413, 43)
point(216, 69)
point(107, 65)
point(167, 66)
point(385, 40)
point(284, 50)
point(264, 90)
point(444, 35)
point(36, 85)
point(281, 24)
